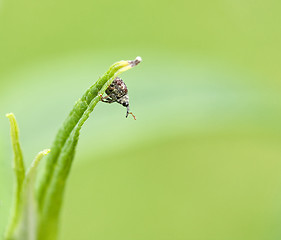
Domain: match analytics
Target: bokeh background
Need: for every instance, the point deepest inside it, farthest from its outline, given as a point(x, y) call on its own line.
point(203, 159)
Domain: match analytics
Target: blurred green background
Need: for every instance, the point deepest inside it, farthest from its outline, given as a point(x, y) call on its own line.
point(203, 159)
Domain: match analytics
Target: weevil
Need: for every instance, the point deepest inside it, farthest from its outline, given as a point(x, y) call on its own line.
point(118, 92)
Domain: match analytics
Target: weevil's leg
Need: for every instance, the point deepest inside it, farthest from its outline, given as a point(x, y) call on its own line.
point(102, 98)
point(106, 99)
point(109, 100)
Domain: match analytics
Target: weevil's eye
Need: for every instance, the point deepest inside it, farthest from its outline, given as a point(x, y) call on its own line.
point(125, 104)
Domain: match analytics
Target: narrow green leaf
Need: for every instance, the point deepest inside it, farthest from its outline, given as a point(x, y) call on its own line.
point(28, 221)
point(59, 161)
point(18, 166)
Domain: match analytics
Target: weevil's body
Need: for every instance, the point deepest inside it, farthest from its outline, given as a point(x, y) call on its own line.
point(117, 92)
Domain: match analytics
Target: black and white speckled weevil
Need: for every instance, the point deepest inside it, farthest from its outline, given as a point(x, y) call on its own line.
point(118, 92)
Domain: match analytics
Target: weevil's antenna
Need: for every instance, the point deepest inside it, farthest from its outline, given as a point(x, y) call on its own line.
point(130, 113)
point(133, 115)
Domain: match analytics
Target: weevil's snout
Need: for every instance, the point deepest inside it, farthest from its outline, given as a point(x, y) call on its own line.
point(125, 102)
point(128, 110)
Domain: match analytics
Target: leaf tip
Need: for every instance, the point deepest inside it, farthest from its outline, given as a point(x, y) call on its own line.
point(136, 61)
point(10, 115)
point(139, 59)
point(46, 151)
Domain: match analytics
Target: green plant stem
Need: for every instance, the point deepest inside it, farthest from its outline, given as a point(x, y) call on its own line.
point(19, 170)
point(58, 163)
point(29, 222)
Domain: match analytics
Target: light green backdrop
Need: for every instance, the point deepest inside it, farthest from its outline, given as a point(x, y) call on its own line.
point(203, 159)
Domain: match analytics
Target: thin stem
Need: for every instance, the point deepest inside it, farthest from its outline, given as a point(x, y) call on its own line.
point(58, 163)
point(19, 170)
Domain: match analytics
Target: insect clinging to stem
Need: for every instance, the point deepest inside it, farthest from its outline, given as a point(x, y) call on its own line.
point(118, 92)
